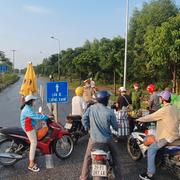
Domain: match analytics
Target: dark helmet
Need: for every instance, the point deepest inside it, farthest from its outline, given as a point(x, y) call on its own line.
point(103, 97)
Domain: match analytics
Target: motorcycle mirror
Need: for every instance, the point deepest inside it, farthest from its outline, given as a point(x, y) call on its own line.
point(40, 109)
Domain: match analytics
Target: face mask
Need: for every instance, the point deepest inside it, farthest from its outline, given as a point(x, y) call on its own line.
point(123, 93)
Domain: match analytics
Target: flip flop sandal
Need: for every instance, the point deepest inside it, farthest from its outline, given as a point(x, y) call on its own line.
point(34, 168)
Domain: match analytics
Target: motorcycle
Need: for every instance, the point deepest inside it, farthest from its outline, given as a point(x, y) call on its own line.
point(14, 143)
point(74, 127)
point(102, 163)
point(168, 156)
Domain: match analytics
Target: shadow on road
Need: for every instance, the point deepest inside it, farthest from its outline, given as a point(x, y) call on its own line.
point(70, 169)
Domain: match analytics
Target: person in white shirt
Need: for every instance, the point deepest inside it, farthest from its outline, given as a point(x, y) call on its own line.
point(78, 104)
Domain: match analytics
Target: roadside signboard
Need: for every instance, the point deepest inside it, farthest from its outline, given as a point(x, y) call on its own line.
point(3, 68)
point(57, 92)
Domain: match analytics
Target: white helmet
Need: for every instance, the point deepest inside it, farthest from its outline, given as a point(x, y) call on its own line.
point(30, 97)
point(122, 89)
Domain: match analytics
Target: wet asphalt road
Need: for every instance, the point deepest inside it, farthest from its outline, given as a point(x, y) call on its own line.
point(67, 169)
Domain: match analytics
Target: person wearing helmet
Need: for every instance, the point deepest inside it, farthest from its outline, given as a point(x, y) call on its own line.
point(87, 91)
point(167, 131)
point(28, 120)
point(136, 95)
point(78, 104)
point(124, 100)
point(174, 97)
point(153, 102)
point(97, 119)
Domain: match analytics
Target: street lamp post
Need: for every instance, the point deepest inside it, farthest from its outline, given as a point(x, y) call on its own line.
point(126, 43)
point(13, 51)
point(58, 55)
point(43, 66)
point(55, 105)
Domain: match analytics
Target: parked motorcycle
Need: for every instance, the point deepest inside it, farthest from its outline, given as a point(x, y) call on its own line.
point(14, 143)
point(168, 156)
point(102, 163)
point(74, 127)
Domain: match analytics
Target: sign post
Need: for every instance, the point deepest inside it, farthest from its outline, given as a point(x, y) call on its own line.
point(3, 68)
point(57, 92)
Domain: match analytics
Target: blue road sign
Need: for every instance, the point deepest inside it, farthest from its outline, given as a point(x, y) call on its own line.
point(57, 92)
point(3, 68)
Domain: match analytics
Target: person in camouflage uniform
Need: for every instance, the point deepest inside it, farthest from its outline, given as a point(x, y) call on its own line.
point(136, 95)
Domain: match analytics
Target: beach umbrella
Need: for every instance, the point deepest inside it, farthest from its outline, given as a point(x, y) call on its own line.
point(29, 85)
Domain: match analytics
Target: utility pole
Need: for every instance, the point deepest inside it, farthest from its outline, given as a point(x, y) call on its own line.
point(13, 51)
point(126, 42)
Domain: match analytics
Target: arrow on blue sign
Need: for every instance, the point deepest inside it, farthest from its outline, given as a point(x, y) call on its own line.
point(57, 87)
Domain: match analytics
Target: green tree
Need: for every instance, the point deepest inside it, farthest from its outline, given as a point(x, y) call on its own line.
point(66, 63)
point(111, 54)
point(163, 46)
point(87, 63)
point(152, 15)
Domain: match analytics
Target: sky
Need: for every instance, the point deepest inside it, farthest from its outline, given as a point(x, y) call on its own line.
point(27, 25)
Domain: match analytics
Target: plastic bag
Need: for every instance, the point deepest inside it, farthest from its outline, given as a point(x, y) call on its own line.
point(42, 131)
point(149, 139)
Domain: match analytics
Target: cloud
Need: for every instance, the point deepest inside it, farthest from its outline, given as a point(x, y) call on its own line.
point(36, 9)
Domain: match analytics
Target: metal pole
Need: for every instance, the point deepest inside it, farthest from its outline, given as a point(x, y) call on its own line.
point(13, 60)
point(56, 104)
point(58, 55)
point(126, 43)
point(55, 111)
point(49, 157)
point(58, 60)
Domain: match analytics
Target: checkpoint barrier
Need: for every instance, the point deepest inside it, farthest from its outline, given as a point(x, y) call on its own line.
point(123, 122)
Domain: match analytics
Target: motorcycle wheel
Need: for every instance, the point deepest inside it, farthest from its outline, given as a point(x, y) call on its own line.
point(133, 148)
point(75, 138)
point(8, 146)
point(173, 166)
point(176, 171)
point(64, 147)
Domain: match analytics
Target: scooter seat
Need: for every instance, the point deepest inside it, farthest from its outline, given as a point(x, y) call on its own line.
point(100, 146)
point(175, 143)
point(13, 130)
point(74, 117)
